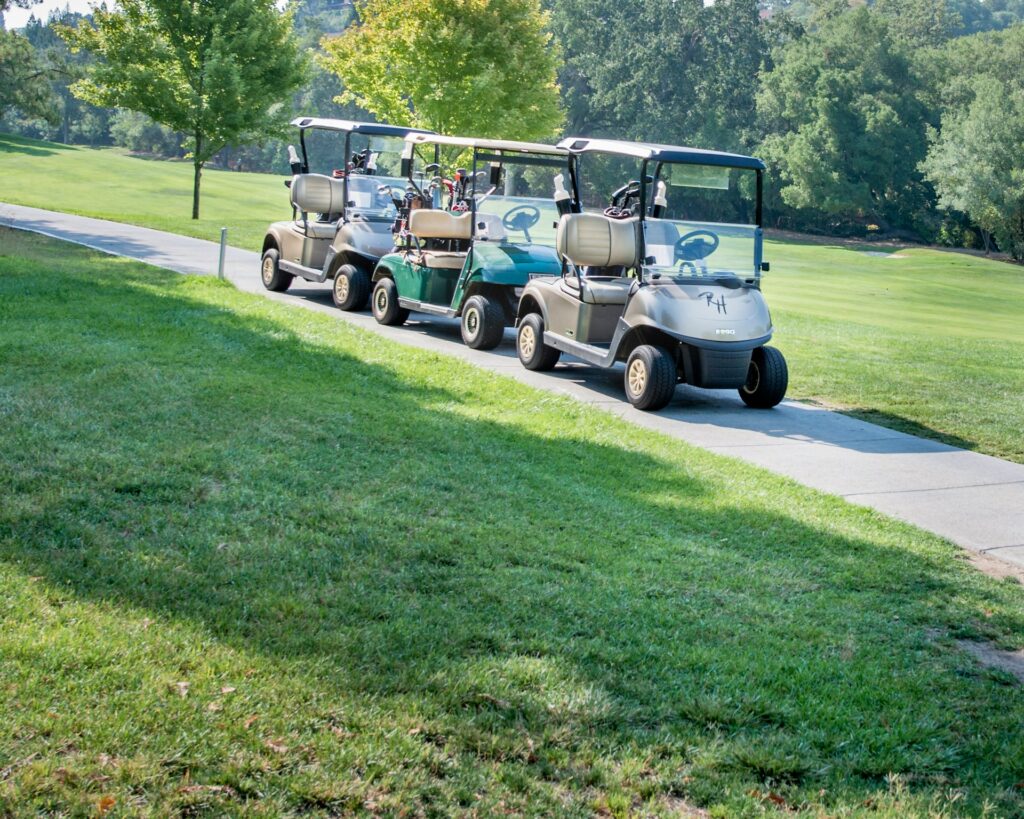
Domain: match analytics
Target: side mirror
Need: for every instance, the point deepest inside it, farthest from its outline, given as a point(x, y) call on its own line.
point(495, 178)
point(765, 267)
point(406, 167)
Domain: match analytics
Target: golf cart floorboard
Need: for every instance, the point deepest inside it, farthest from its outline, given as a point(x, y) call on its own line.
point(599, 354)
point(426, 307)
point(308, 273)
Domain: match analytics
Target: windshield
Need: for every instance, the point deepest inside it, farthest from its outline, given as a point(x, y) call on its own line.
point(701, 222)
point(366, 199)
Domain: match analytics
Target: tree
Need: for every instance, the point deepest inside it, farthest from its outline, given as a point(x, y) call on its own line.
point(846, 130)
point(920, 22)
point(976, 161)
point(480, 67)
point(24, 84)
point(215, 70)
point(662, 70)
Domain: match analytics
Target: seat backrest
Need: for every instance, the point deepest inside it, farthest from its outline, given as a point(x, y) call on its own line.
point(440, 224)
point(316, 193)
point(594, 239)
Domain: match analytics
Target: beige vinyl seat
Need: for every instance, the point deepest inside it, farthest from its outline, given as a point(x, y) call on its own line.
point(594, 240)
point(440, 224)
point(316, 193)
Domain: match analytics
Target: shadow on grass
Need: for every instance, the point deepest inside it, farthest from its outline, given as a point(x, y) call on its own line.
point(19, 145)
point(909, 426)
point(413, 538)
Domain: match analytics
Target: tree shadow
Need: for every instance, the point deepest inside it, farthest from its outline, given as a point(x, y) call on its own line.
point(909, 426)
point(404, 536)
point(19, 145)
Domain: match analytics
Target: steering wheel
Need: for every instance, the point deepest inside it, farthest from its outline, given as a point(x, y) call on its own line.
point(521, 217)
point(693, 245)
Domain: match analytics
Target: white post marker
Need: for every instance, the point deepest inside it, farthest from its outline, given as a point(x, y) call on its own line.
point(223, 247)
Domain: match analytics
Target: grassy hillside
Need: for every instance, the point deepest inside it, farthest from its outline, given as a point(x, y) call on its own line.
point(110, 184)
point(254, 560)
point(930, 342)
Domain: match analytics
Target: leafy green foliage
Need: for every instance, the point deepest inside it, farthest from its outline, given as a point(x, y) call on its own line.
point(213, 70)
point(846, 129)
point(976, 162)
point(24, 84)
point(466, 67)
point(442, 593)
point(661, 70)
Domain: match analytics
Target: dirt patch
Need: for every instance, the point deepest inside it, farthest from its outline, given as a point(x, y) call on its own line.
point(1012, 662)
point(995, 567)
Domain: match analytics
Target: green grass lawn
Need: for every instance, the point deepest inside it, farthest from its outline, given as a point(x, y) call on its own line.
point(931, 343)
point(257, 561)
point(108, 183)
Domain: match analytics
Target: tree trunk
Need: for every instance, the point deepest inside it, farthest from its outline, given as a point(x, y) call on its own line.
point(198, 168)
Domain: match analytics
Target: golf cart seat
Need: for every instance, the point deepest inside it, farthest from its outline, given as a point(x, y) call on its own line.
point(594, 240)
point(315, 193)
point(606, 289)
point(440, 224)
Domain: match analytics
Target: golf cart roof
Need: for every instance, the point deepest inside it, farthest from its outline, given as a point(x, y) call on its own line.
point(661, 153)
point(486, 144)
point(346, 125)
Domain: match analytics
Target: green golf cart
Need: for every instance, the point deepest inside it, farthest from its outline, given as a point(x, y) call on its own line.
point(471, 238)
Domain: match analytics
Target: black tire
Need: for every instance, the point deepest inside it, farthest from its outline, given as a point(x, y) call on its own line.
point(533, 352)
point(767, 379)
point(351, 288)
point(650, 378)
point(385, 304)
point(274, 278)
point(483, 323)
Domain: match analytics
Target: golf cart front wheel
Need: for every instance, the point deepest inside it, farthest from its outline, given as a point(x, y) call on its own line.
point(385, 304)
point(533, 352)
point(483, 323)
point(274, 278)
point(650, 377)
point(351, 288)
point(767, 379)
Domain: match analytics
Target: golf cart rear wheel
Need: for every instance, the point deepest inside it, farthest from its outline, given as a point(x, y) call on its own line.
point(650, 377)
point(483, 323)
point(351, 288)
point(385, 304)
point(767, 379)
point(533, 352)
point(274, 278)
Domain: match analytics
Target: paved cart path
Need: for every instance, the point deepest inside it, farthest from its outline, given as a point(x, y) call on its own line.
point(975, 500)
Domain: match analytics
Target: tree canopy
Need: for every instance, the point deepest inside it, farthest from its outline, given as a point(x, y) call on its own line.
point(218, 71)
point(479, 67)
point(846, 129)
point(24, 84)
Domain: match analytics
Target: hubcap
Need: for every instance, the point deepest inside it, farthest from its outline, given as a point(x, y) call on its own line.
point(268, 270)
point(341, 287)
point(382, 301)
point(753, 378)
point(527, 341)
point(472, 322)
point(637, 377)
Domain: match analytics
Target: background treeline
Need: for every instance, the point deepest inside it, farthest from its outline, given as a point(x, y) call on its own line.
point(900, 118)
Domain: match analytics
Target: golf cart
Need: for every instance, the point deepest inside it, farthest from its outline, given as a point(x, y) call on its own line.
point(342, 222)
point(667, 278)
point(470, 239)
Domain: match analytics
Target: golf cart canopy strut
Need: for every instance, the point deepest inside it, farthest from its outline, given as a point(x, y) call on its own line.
point(661, 153)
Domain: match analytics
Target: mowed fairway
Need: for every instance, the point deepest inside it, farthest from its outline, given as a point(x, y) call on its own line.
point(107, 183)
point(931, 343)
point(254, 560)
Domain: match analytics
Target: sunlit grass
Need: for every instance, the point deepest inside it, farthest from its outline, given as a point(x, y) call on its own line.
point(254, 560)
